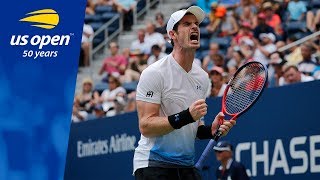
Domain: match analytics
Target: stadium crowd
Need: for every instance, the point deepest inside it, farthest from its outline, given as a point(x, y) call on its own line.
point(233, 33)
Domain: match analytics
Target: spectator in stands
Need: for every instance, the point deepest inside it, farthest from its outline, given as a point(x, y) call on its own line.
point(86, 43)
point(212, 15)
point(115, 64)
point(247, 17)
point(160, 24)
point(273, 19)
point(126, 7)
point(291, 75)
point(236, 61)
point(245, 7)
point(153, 37)
point(266, 47)
point(262, 27)
point(137, 64)
point(244, 32)
point(308, 63)
point(156, 54)
point(84, 98)
point(205, 5)
point(126, 53)
point(140, 43)
point(208, 61)
point(294, 57)
point(97, 112)
point(312, 20)
point(104, 2)
point(297, 10)
point(111, 98)
point(229, 168)
point(275, 69)
point(247, 48)
point(230, 4)
point(77, 114)
point(217, 82)
point(224, 25)
point(90, 7)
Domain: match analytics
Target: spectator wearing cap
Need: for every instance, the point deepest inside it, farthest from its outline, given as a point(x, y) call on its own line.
point(224, 25)
point(266, 47)
point(262, 27)
point(217, 82)
point(229, 168)
point(292, 75)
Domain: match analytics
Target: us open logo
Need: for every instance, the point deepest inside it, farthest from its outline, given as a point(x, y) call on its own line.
point(45, 20)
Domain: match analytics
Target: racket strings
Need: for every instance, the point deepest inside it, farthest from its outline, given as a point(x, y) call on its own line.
point(245, 87)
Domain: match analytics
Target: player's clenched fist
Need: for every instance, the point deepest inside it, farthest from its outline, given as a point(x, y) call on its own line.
point(198, 109)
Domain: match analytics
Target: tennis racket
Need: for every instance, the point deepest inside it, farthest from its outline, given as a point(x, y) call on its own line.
point(242, 91)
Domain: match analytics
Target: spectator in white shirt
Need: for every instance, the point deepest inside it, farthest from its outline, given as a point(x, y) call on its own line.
point(156, 54)
point(153, 37)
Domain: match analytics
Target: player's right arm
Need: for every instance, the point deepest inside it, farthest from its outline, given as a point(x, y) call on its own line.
point(152, 125)
point(148, 99)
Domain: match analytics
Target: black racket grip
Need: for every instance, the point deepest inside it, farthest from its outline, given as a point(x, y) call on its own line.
point(217, 135)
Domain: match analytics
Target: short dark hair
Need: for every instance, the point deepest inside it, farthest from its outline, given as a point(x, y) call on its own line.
point(156, 47)
point(175, 28)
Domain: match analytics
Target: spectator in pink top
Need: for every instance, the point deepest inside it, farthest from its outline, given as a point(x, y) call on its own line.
point(114, 64)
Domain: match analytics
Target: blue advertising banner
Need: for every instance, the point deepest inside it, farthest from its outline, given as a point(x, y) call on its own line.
point(39, 52)
point(278, 138)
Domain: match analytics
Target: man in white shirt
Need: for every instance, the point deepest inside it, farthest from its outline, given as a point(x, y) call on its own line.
point(140, 43)
point(170, 103)
point(263, 51)
point(153, 37)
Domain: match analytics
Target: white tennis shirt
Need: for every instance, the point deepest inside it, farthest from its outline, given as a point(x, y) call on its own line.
point(166, 83)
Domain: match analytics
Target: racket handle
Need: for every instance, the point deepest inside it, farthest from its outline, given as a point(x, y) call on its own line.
point(204, 155)
point(208, 150)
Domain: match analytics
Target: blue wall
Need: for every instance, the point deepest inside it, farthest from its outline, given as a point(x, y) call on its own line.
point(278, 138)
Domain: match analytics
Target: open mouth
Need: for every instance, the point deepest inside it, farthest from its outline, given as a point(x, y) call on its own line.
point(194, 37)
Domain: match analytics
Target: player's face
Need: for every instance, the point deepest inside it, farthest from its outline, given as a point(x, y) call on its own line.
point(188, 35)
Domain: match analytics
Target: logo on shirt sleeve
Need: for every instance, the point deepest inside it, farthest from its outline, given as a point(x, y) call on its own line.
point(149, 94)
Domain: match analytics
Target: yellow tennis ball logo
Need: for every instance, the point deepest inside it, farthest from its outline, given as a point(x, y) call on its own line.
point(44, 18)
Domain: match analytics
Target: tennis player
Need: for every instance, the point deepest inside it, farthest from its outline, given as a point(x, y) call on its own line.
point(171, 102)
